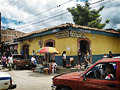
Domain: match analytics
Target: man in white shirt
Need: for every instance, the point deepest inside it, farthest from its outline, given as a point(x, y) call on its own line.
point(10, 62)
point(33, 63)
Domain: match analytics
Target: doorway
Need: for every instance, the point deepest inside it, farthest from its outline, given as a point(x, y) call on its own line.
point(50, 43)
point(84, 44)
point(26, 51)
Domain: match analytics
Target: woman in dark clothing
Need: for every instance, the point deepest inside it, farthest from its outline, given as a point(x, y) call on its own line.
point(110, 54)
point(64, 58)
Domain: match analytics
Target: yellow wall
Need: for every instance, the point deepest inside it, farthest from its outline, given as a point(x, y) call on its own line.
point(100, 44)
point(103, 44)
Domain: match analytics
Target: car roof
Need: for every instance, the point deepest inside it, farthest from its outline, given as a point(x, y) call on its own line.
point(109, 60)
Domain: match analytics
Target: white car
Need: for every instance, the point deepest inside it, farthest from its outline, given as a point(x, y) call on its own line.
point(6, 81)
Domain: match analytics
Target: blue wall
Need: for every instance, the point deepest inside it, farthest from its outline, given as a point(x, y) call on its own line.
point(95, 58)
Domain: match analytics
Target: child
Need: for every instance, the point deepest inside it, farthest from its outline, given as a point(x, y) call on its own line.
point(105, 56)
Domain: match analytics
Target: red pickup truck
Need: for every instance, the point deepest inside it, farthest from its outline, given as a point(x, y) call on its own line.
point(90, 79)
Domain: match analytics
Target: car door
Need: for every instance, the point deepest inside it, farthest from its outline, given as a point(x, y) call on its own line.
point(93, 82)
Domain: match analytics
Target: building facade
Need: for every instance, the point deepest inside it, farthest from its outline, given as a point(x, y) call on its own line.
point(8, 44)
point(71, 38)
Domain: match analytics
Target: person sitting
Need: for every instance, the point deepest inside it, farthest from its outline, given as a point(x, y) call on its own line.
point(44, 63)
point(111, 72)
point(103, 72)
point(54, 66)
point(105, 56)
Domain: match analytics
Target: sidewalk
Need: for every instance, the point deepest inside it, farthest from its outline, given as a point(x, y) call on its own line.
point(61, 70)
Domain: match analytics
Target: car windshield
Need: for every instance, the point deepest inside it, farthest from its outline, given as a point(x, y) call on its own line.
point(88, 67)
point(18, 56)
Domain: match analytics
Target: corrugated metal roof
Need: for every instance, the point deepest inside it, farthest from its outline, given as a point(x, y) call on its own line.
point(68, 25)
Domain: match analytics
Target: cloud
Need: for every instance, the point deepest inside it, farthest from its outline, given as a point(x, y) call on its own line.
point(28, 12)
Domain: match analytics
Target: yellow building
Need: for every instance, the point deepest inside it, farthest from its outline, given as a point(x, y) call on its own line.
point(70, 38)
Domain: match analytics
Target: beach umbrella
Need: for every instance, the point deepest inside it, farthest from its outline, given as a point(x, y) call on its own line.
point(48, 50)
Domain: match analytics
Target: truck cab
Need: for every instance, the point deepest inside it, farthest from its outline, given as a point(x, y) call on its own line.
point(90, 79)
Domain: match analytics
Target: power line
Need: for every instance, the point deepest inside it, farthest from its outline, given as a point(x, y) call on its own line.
point(7, 6)
point(45, 19)
point(24, 4)
point(96, 2)
point(54, 8)
point(59, 6)
point(12, 5)
point(46, 10)
point(41, 20)
point(51, 15)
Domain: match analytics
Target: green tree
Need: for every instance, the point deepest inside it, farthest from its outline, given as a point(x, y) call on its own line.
point(84, 15)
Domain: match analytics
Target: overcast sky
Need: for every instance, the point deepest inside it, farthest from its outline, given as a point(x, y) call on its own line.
point(32, 15)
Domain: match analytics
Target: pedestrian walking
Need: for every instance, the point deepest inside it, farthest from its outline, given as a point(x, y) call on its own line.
point(33, 63)
point(10, 62)
point(64, 58)
point(4, 60)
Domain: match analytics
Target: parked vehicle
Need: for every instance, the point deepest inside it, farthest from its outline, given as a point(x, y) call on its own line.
point(6, 81)
point(90, 79)
point(20, 62)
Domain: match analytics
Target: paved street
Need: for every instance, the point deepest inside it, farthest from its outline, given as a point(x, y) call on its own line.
point(27, 80)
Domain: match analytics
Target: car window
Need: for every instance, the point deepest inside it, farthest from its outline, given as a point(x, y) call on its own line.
point(18, 57)
point(100, 71)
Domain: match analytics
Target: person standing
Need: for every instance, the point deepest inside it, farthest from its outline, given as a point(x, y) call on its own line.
point(10, 62)
point(22, 53)
point(86, 57)
point(4, 60)
point(110, 54)
point(64, 58)
point(34, 53)
point(33, 62)
point(79, 56)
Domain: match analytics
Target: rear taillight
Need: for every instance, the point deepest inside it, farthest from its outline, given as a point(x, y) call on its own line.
point(10, 81)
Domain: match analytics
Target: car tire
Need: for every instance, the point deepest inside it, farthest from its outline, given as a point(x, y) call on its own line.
point(65, 88)
point(16, 67)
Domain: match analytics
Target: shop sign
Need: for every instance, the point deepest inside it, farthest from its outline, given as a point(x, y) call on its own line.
point(62, 34)
point(77, 34)
point(85, 31)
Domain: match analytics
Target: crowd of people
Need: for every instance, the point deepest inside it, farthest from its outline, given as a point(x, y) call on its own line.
point(66, 61)
point(7, 60)
point(45, 64)
point(83, 58)
point(71, 61)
